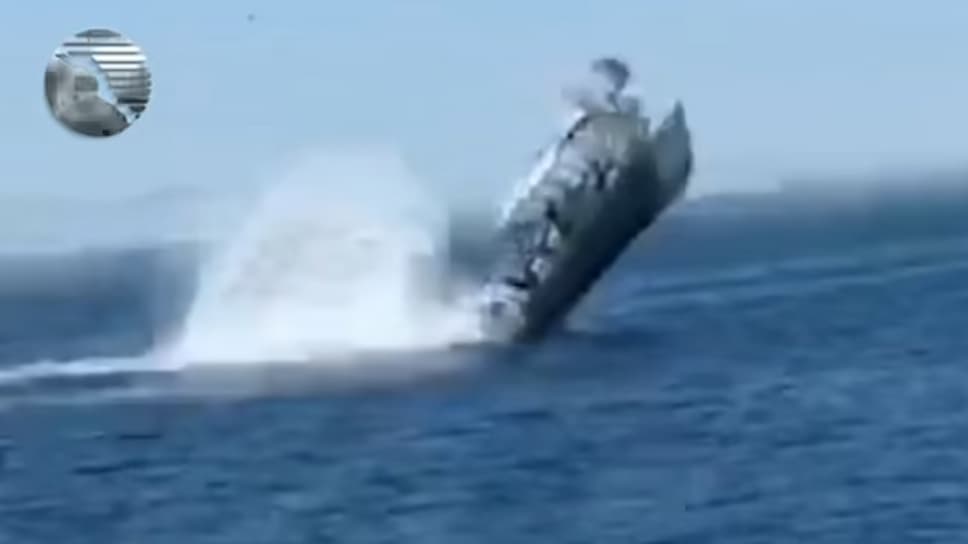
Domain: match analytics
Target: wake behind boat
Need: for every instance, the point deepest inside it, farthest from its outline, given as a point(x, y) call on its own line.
point(606, 180)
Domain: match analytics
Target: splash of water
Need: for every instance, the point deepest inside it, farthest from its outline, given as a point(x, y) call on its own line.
point(345, 253)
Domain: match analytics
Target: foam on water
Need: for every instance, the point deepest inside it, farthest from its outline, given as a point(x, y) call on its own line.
point(44, 370)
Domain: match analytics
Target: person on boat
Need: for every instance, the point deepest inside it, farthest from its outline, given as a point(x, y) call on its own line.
point(601, 92)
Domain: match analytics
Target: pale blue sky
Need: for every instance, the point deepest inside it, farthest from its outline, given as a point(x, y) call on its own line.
point(466, 91)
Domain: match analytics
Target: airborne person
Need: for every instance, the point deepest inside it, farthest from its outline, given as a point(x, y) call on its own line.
point(603, 92)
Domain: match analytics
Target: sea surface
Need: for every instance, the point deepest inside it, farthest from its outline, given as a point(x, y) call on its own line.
point(785, 367)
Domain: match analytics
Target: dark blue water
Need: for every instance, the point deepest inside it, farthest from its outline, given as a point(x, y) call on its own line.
point(757, 369)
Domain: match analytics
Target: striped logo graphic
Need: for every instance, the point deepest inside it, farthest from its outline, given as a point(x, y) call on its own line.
point(98, 82)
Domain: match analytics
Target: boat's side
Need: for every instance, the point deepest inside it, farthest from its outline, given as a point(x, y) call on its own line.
point(615, 220)
point(604, 217)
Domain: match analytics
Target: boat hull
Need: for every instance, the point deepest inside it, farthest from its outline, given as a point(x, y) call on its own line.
point(647, 174)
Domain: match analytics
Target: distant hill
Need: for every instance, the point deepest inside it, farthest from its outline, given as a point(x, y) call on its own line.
point(842, 192)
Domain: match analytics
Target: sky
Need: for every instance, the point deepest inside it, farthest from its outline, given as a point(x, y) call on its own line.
point(467, 92)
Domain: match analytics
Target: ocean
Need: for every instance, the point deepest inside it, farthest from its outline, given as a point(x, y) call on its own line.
point(776, 367)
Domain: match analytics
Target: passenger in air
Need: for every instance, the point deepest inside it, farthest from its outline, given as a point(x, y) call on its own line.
point(602, 91)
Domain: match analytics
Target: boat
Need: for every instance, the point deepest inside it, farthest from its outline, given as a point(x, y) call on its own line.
point(607, 179)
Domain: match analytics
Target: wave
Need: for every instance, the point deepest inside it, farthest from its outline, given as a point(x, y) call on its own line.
point(346, 253)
